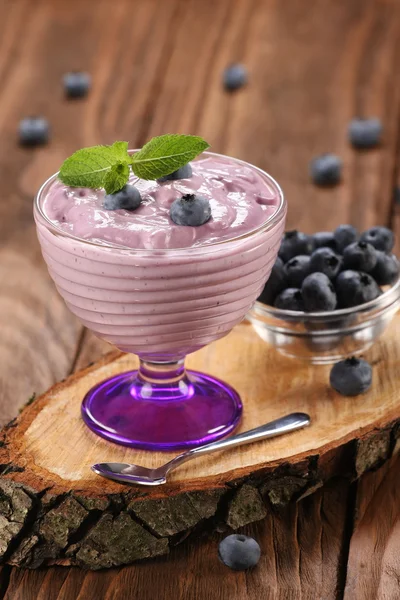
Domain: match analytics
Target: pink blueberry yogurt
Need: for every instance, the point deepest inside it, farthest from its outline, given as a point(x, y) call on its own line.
point(150, 286)
point(241, 200)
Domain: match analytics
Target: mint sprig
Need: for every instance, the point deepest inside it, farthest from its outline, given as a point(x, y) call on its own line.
point(108, 166)
point(116, 177)
point(88, 167)
point(165, 154)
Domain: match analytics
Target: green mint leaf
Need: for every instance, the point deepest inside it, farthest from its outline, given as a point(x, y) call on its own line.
point(120, 149)
point(88, 167)
point(116, 178)
point(165, 154)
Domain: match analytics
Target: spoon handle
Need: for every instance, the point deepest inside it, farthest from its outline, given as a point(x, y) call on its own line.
point(280, 426)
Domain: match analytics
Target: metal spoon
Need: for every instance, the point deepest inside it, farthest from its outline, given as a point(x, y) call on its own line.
point(135, 474)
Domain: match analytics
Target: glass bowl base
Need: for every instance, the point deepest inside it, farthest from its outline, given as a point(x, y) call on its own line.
point(195, 410)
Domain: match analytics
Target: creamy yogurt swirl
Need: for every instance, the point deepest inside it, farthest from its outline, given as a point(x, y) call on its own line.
point(241, 200)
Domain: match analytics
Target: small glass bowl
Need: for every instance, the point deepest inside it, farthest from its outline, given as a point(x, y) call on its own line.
point(326, 337)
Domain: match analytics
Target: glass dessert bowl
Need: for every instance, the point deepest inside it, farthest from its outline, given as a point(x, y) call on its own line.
point(162, 304)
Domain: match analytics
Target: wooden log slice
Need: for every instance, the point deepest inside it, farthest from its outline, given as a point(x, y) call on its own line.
point(53, 509)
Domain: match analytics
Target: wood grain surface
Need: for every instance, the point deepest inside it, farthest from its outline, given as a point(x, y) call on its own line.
point(54, 448)
point(156, 67)
point(72, 515)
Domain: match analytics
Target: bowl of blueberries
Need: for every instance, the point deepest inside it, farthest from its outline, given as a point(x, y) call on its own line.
point(330, 295)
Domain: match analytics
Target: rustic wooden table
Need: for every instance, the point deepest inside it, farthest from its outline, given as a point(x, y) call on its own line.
point(156, 67)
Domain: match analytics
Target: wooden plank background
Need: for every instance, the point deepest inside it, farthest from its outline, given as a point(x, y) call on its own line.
point(156, 67)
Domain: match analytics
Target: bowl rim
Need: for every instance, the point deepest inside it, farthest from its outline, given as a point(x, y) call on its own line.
point(268, 224)
point(388, 297)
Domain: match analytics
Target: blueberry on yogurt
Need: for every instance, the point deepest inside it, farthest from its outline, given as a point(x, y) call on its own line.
point(184, 172)
point(128, 198)
point(191, 209)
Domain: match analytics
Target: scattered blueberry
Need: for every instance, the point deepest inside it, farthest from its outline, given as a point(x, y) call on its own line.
point(354, 288)
point(184, 172)
point(365, 133)
point(344, 236)
point(296, 270)
point(191, 209)
point(295, 243)
point(275, 283)
point(323, 239)
point(326, 169)
point(318, 293)
point(239, 552)
point(360, 256)
point(290, 299)
point(387, 268)
point(235, 77)
point(326, 261)
point(128, 198)
point(351, 377)
point(77, 84)
point(380, 237)
point(34, 131)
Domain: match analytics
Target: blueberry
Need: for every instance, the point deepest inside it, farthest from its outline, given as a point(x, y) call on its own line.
point(184, 172)
point(365, 133)
point(191, 209)
point(34, 131)
point(360, 256)
point(354, 288)
point(380, 238)
point(387, 268)
point(326, 169)
point(326, 261)
point(128, 198)
point(296, 269)
point(290, 299)
point(344, 236)
point(318, 293)
point(239, 552)
point(275, 283)
point(77, 84)
point(351, 377)
point(323, 239)
point(295, 243)
point(235, 77)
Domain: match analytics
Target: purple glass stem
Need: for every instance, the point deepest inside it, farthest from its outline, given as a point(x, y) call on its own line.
point(162, 407)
